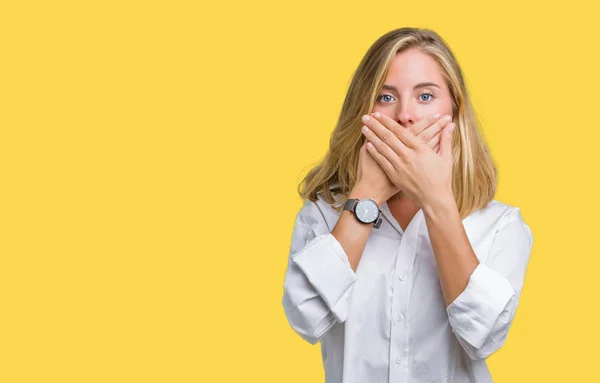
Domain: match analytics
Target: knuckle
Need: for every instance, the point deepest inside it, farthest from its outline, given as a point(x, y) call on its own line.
point(385, 137)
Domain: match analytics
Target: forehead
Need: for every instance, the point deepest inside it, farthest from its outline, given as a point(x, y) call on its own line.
point(412, 66)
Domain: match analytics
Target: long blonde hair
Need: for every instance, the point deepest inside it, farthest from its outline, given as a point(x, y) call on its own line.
point(474, 173)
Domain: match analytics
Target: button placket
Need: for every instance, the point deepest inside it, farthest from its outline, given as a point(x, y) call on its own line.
point(399, 350)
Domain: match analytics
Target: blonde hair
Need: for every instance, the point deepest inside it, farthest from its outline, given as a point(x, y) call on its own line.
point(474, 173)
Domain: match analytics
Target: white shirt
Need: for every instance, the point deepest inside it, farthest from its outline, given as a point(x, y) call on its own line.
point(388, 322)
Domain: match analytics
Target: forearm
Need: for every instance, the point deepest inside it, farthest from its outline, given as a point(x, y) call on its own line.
point(351, 233)
point(454, 255)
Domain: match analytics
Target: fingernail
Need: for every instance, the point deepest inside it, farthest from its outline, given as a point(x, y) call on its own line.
point(436, 115)
point(366, 118)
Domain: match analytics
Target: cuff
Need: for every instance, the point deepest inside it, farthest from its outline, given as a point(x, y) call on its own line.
point(473, 313)
point(326, 266)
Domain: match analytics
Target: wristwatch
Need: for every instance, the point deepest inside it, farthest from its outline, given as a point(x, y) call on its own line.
point(365, 210)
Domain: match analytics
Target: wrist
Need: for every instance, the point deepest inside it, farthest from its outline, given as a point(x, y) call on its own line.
point(362, 191)
point(439, 202)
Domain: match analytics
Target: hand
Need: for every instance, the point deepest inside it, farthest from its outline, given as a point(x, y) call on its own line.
point(429, 128)
point(371, 182)
point(408, 162)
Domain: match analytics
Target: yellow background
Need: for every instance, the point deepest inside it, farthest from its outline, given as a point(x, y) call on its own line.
point(151, 150)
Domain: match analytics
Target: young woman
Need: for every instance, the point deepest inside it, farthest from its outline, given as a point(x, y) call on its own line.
point(402, 264)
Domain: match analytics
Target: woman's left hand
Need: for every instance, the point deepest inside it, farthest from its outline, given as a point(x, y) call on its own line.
point(410, 164)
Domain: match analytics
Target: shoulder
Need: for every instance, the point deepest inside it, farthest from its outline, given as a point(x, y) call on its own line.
point(498, 222)
point(496, 214)
point(319, 213)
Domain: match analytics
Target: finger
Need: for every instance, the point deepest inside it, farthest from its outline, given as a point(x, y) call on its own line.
point(418, 127)
point(383, 162)
point(446, 141)
point(398, 140)
point(432, 143)
point(437, 148)
point(428, 129)
point(415, 129)
point(376, 133)
point(386, 121)
point(382, 147)
point(434, 129)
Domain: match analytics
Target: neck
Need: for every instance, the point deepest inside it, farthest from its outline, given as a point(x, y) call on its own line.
point(399, 197)
point(402, 202)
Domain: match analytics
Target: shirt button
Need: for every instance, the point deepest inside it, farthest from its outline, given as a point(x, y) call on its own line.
point(399, 317)
point(402, 276)
point(398, 360)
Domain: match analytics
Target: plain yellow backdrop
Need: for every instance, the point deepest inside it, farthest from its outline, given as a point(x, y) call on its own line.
point(150, 153)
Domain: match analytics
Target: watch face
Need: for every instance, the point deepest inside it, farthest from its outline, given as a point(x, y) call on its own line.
point(367, 210)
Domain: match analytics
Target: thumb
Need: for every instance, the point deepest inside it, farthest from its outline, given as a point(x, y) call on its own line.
point(446, 145)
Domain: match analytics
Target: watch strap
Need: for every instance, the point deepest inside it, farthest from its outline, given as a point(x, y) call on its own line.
point(351, 204)
point(377, 223)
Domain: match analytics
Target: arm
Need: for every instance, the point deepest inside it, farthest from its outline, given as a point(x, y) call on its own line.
point(321, 269)
point(306, 310)
point(481, 298)
point(482, 315)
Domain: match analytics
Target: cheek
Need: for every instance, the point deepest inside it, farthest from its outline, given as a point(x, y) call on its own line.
point(442, 110)
point(446, 106)
point(385, 111)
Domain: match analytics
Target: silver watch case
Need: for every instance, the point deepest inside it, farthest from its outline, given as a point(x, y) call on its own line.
point(366, 210)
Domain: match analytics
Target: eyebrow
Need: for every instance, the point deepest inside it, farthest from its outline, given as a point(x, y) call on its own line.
point(419, 85)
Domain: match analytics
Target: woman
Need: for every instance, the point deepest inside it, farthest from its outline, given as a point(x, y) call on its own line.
point(402, 264)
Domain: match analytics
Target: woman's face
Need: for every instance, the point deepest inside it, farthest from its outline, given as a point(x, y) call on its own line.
point(413, 89)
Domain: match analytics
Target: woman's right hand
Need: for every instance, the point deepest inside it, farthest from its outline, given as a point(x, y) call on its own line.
point(371, 179)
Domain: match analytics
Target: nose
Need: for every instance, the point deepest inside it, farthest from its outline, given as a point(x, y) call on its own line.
point(405, 115)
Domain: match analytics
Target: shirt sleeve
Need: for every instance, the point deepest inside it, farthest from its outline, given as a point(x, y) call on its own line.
point(481, 315)
point(318, 280)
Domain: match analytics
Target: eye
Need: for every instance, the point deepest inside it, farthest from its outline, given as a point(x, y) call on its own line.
point(384, 95)
point(428, 97)
point(428, 94)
